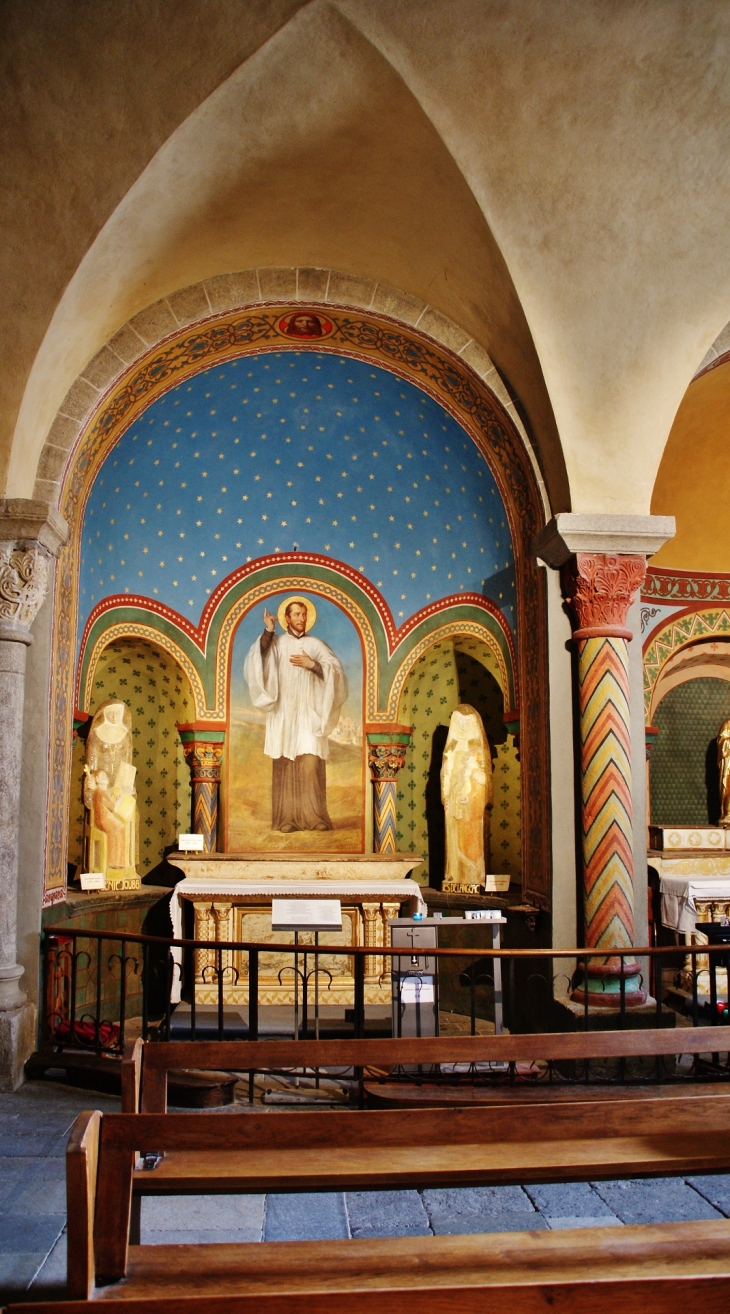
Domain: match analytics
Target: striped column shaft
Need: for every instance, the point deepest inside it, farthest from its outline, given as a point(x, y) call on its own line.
point(384, 816)
point(204, 759)
point(600, 588)
point(605, 739)
point(387, 746)
point(205, 812)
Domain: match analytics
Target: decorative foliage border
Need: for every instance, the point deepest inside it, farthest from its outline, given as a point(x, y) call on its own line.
point(405, 352)
point(683, 586)
point(681, 630)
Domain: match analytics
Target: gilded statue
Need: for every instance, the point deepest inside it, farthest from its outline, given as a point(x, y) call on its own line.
point(466, 793)
point(723, 761)
point(111, 830)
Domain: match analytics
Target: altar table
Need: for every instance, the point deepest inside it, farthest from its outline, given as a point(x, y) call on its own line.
point(231, 897)
point(693, 888)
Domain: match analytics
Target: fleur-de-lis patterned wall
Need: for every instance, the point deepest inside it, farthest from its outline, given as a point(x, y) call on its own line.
point(158, 694)
point(445, 676)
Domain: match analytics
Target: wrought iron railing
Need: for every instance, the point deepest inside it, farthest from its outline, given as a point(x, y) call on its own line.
point(103, 988)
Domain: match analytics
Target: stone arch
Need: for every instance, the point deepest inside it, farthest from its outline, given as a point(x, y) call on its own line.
point(444, 372)
point(189, 306)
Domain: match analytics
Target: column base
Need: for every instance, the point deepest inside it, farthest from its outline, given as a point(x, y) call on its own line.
point(602, 985)
point(17, 1042)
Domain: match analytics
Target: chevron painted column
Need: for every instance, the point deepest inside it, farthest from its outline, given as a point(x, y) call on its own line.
point(387, 745)
point(600, 588)
point(203, 749)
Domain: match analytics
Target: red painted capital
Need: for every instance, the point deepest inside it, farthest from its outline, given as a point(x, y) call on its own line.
point(599, 588)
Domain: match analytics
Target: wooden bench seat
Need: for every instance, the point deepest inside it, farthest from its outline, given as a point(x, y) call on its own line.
point(382, 1149)
point(145, 1069)
point(669, 1267)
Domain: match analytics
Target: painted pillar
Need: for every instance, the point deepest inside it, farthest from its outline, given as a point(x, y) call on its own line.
point(387, 745)
point(203, 749)
point(599, 588)
point(31, 534)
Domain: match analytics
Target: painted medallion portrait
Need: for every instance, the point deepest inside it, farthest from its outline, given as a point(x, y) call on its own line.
point(305, 324)
point(296, 781)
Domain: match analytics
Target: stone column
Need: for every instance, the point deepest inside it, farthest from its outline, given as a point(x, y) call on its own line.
point(31, 534)
point(599, 586)
point(387, 746)
point(203, 749)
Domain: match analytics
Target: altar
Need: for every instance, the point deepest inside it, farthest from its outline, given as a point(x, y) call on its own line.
point(693, 869)
point(231, 898)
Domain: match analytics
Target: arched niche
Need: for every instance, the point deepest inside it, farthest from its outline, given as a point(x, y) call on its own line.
point(375, 341)
point(155, 688)
point(457, 669)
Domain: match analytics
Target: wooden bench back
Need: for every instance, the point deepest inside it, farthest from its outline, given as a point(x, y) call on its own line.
point(146, 1068)
point(113, 1140)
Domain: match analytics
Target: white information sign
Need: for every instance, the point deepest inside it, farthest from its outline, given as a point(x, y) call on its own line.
point(417, 990)
point(93, 880)
point(306, 915)
point(191, 843)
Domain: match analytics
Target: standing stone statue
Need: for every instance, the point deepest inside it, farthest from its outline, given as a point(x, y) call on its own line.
point(111, 829)
point(466, 793)
point(723, 761)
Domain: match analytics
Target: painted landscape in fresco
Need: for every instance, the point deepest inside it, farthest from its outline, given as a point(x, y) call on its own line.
point(250, 772)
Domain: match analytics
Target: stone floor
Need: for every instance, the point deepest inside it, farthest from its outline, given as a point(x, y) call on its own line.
point(34, 1126)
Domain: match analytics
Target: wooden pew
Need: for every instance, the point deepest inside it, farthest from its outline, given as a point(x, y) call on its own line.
point(586, 1270)
point(381, 1150)
point(666, 1269)
point(146, 1067)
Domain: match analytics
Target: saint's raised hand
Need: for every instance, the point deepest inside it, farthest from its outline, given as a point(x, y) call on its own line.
point(269, 621)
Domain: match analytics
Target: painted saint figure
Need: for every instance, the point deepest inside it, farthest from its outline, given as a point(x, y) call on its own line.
point(301, 685)
point(723, 761)
point(466, 793)
point(110, 797)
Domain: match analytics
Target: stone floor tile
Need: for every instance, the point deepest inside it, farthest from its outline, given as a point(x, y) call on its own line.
point(715, 1188)
point(200, 1236)
point(306, 1217)
point(509, 1221)
point(568, 1200)
point(39, 1193)
point(479, 1199)
point(16, 1273)
point(565, 1223)
point(24, 1234)
point(387, 1213)
point(653, 1200)
point(49, 1282)
point(203, 1212)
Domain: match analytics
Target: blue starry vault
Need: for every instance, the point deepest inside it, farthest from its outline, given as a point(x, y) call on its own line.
point(296, 451)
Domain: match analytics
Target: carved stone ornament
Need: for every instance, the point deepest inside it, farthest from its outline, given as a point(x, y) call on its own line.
point(23, 584)
point(204, 760)
point(599, 588)
point(386, 760)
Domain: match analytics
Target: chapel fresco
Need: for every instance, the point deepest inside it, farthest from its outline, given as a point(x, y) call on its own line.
point(295, 778)
point(301, 470)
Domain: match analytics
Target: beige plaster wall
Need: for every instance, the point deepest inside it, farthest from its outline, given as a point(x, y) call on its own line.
point(548, 176)
point(313, 152)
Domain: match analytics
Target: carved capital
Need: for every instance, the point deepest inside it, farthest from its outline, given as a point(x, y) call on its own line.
point(23, 586)
point(599, 588)
point(386, 760)
point(204, 760)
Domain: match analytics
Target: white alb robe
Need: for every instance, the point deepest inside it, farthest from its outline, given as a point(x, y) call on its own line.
point(302, 708)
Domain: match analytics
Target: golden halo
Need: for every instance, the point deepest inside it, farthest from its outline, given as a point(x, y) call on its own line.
point(311, 611)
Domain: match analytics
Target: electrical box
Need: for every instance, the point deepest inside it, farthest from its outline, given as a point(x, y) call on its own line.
point(415, 976)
